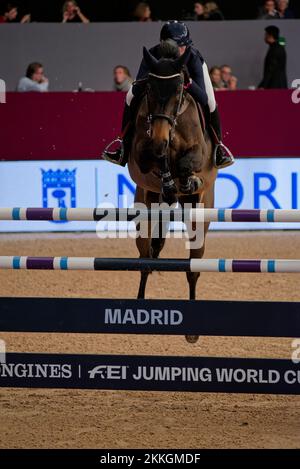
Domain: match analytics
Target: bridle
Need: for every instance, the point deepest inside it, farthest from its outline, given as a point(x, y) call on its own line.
point(169, 188)
point(173, 118)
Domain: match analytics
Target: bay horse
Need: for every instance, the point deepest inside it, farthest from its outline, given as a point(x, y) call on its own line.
point(171, 157)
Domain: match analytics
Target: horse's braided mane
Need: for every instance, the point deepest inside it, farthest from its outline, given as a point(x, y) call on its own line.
point(169, 49)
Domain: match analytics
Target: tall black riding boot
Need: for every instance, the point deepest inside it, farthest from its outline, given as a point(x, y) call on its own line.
point(117, 151)
point(222, 155)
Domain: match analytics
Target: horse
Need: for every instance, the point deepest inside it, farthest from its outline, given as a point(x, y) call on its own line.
point(171, 157)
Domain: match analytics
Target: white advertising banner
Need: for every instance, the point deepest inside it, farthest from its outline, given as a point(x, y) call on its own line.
point(250, 183)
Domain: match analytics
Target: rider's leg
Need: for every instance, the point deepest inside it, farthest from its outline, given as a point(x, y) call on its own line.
point(222, 155)
point(117, 151)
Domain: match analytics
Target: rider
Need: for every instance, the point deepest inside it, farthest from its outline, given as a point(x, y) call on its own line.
point(198, 85)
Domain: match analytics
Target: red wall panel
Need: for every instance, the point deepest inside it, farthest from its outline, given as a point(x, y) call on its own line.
point(37, 126)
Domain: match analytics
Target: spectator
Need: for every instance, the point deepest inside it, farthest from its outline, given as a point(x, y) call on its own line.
point(232, 84)
point(72, 13)
point(122, 78)
point(284, 11)
point(275, 62)
point(199, 11)
point(11, 13)
point(268, 11)
point(226, 74)
point(142, 12)
point(34, 80)
point(216, 78)
point(212, 12)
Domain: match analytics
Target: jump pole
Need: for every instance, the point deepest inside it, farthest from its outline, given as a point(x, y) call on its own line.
point(130, 214)
point(150, 265)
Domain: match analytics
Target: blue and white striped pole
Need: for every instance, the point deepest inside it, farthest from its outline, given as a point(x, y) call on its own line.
point(129, 214)
point(163, 265)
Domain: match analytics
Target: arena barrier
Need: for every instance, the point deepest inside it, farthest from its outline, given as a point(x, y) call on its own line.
point(151, 372)
point(129, 214)
point(163, 317)
point(151, 265)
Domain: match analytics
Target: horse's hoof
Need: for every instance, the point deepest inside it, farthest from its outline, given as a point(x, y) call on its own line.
point(197, 182)
point(192, 339)
point(193, 185)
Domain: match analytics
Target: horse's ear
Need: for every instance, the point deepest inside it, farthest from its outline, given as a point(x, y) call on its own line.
point(149, 59)
point(182, 60)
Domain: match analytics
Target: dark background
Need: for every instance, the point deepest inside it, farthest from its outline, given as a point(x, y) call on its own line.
point(121, 10)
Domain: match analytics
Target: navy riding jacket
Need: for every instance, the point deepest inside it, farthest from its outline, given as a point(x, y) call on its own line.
point(195, 69)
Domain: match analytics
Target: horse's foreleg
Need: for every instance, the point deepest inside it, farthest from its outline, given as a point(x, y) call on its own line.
point(145, 250)
point(153, 248)
point(142, 287)
point(187, 165)
point(197, 252)
point(148, 246)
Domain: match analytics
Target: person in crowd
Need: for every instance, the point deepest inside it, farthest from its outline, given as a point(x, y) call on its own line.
point(233, 83)
point(199, 11)
point(10, 15)
point(226, 74)
point(216, 78)
point(122, 78)
point(275, 75)
point(284, 11)
point(142, 12)
point(34, 80)
point(73, 14)
point(212, 12)
point(268, 11)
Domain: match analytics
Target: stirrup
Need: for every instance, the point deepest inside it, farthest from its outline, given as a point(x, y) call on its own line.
point(228, 158)
point(115, 156)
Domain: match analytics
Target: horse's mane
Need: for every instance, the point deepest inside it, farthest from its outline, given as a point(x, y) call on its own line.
point(169, 49)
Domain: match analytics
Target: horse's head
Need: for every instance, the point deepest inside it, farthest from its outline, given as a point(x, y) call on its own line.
point(165, 95)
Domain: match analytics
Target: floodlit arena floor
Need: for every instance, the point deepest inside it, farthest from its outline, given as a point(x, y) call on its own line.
point(41, 418)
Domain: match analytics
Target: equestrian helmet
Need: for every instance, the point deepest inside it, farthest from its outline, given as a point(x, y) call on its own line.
point(176, 30)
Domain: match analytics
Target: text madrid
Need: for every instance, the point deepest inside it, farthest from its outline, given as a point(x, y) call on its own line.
point(150, 373)
point(142, 316)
